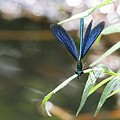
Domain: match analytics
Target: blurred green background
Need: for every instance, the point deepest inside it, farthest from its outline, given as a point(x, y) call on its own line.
point(33, 62)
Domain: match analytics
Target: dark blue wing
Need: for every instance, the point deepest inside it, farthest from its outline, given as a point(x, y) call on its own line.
point(86, 37)
point(65, 39)
point(95, 32)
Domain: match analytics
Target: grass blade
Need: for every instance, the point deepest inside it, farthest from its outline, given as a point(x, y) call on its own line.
point(87, 12)
point(62, 85)
point(107, 53)
point(107, 91)
point(115, 28)
point(89, 84)
point(104, 70)
point(100, 84)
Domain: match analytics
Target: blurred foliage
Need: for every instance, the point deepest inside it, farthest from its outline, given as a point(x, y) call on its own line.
point(23, 23)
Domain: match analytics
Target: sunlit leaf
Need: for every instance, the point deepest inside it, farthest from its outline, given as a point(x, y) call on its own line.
point(87, 12)
point(89, 85)
point(115, 28)
point(114, 92)
point(62, 85)
point(117, 89)
point(106, 70)
point(88, 89)
point(107, 91)
point(46, 98)
point(100, 84)
point(107, 53)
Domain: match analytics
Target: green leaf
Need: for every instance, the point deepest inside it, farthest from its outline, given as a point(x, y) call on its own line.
point(107, 91)
point(100, 84)
point(114, 92)
point(111, 29)
point(107, 53)
point(62, 85)
point(93, 75)
point(106, 70)
point(87, 12)
point(46, 98)
point(89, 85)
point(117, 90)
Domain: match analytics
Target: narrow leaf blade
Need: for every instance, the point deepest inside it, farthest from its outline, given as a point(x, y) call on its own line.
point(89, 84)
point(100, 84)
point(59, 87)
point(107, 53)
point(111, 29)
point(107, 91)
point(87, 12)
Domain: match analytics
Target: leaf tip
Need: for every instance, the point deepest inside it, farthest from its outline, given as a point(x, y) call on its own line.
point(96, 113)
point(78, 111)
point(48, 107)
